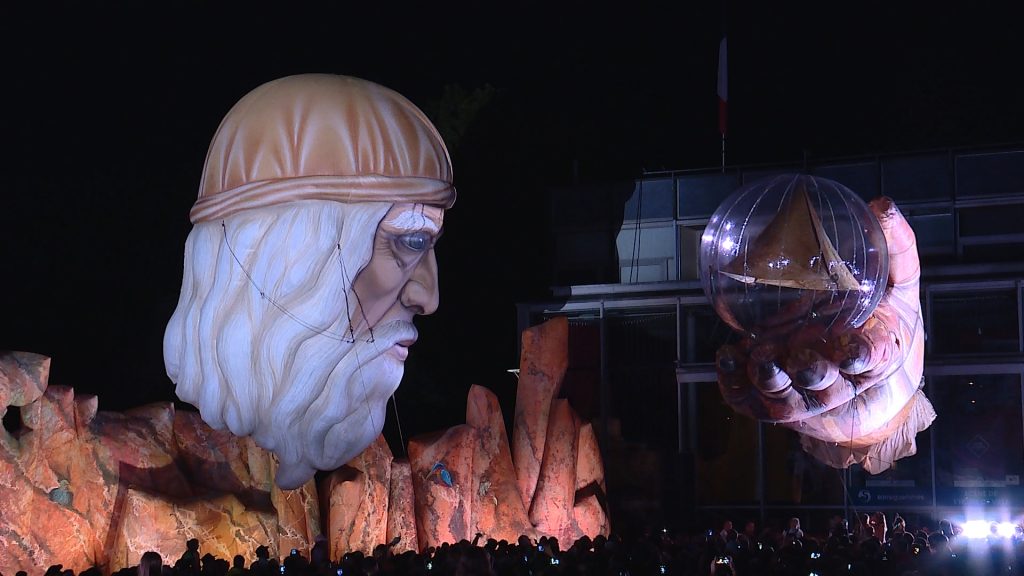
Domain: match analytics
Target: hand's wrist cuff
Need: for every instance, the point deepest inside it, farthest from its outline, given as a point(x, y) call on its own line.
point(877, 451)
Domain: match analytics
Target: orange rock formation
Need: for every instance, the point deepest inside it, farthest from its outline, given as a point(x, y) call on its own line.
point(82, 487)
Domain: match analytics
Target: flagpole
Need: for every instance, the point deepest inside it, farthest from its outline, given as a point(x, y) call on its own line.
point(723, 94)
point(723, 83)
point(723, 152)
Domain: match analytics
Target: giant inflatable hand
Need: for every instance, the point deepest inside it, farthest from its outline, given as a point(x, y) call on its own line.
point(853, 398)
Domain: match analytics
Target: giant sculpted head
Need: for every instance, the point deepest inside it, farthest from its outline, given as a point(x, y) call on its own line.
point(310, 254)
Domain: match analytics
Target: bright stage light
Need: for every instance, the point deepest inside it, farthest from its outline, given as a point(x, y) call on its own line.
point(976, 529)
point(1006, 529)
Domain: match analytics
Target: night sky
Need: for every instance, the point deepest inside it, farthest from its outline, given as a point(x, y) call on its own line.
point(110, 111)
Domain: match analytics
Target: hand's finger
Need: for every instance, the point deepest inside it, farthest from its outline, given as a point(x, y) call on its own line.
point(730, 359)
point(874, 351)
point(892, 339)
point(764, 371)
point(779, 404)
point(736, 389)
point(818, 380)
point(810, 370)
point(904, 263)
point(863, 350)
point(869, 416)
point(731, 366)
point(747, 381)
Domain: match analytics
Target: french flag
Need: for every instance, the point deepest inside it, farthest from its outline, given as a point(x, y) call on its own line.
point(723, 87)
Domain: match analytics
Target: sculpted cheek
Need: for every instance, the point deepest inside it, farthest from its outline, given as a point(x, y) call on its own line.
point(377, 286)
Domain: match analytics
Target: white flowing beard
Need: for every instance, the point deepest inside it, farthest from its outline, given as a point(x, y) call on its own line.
point(329, 429)
point(261, 339)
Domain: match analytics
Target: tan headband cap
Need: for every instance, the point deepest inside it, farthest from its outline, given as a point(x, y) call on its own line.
point(323, 137)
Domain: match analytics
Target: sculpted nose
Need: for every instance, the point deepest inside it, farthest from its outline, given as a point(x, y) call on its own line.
point(420, 293)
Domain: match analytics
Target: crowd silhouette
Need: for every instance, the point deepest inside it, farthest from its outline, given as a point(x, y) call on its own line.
point(871, 547)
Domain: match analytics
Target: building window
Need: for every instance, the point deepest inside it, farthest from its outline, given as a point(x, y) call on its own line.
point(965, 320)
point(981, 435)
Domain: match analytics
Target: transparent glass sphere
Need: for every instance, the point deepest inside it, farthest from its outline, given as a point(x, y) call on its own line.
point(792, 252)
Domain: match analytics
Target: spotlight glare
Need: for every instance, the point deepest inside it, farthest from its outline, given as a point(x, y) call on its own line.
point(1006, 529)
point(976, 529)
point(979, 529)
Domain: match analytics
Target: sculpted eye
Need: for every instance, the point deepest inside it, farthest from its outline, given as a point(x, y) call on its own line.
point(416, 241)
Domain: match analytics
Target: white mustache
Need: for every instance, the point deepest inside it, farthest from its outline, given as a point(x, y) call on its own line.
point(384, 336)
